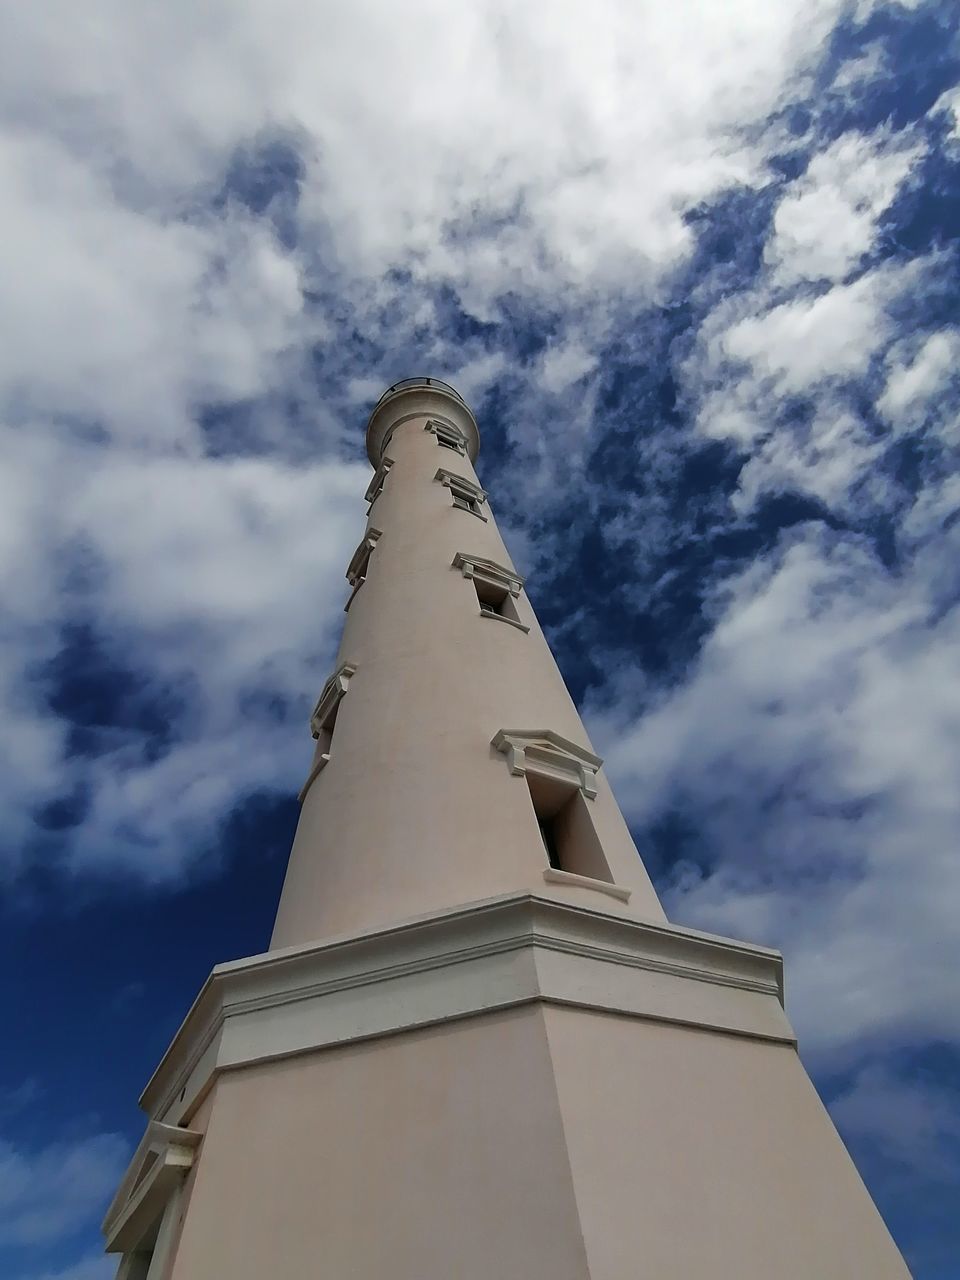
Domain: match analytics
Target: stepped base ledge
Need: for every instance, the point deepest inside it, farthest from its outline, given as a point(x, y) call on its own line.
point(473, 959)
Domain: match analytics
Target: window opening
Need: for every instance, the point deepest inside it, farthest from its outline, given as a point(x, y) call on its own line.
point(466, 495)
point(375, 487)
point(142, 1219)
point(566, 828)
point(497, 588)
point(360, 563)
point(549, 838)
point(323, 720)
point(136, 1266)
point(447, 436)
point(325, 730)
point(496, 601)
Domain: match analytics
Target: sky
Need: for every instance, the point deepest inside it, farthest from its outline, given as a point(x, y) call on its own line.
point(695, 267)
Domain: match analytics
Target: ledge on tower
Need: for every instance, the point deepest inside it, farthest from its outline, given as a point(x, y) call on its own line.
point(414, 398)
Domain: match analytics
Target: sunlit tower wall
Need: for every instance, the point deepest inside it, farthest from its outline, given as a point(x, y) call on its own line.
point(476, 1048)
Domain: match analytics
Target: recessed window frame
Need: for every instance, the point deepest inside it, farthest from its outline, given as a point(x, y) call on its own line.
point(561, 780)
point(323, 720)
point(356, 573)
point(375, 487)
point(497, 587)
point(447, 435)
point(466, 495)
point(141, 1222)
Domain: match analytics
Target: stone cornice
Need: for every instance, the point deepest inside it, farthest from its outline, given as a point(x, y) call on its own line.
point(477, 958)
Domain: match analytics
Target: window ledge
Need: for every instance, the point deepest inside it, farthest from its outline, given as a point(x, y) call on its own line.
point(468, 512)
point(312, 777)
point(498, 617)
point(553, 876)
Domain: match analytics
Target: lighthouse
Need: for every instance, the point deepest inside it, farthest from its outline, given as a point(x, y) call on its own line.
point(476, 1048)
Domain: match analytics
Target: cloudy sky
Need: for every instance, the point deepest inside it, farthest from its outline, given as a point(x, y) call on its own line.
point(695, 265)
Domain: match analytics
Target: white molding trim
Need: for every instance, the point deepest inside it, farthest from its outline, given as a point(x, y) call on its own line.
point(448, 433)
point(375, 487)
point(357, 568)
point(502, 617)
point(159, 1165)
point(519, 949)
point(330, 695)
point(543, 751)
point(553, 875)
point(359, 563)
point(496, 575)
point(466, 495)
point(460, 484)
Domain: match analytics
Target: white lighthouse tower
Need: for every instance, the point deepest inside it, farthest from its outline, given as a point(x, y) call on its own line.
point(476, 1049)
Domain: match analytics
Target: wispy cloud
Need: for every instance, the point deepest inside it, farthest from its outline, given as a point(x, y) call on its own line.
point(46, 1193)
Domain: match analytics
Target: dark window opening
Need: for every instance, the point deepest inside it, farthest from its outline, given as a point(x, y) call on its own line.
point(447, 444)
point(496, 600)
point(137, 1265)
point(549, 838)
point(565, 821)
point(466, 502)
point(325, 736)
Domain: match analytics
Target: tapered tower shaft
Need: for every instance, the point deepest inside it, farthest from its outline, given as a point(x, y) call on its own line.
point(412, 803)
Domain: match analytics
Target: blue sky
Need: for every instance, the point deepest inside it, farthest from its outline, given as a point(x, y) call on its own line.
point(696, 268)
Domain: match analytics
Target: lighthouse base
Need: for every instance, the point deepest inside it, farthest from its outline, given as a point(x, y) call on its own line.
point(521, 1088)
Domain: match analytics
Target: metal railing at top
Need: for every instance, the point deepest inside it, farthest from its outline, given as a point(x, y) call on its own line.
point(421, 382)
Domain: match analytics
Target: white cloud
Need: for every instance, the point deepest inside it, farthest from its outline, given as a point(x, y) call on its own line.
point(96, 1266)
point(548, 160)
point(550, 115)
point(46, 1194)
point(545, 159)
point(800, 344)
point(782, 384)
point(828, 220)
point(949, 103)
point(909, 1121)
point(125, 316)
point(914, 378)
point(816, 746)
point(863, 69)
point(561, 366)
point(826, 460)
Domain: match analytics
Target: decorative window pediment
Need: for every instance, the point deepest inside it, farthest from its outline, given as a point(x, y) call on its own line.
point(138, 1222)
point(324, 719)
point(544, 751)
point(357, 568)
point(375, 487)
point(488, 571)
point(466, 495)
point(360, 561)
point(325, 710)
point(448, 436)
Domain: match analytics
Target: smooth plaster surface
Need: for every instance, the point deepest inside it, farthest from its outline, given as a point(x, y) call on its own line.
point(427, 1156)
point(696, 1153)
point(544, 1143)
point(415, 810)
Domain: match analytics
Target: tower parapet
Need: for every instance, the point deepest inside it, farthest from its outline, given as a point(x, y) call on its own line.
point(418, 398)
